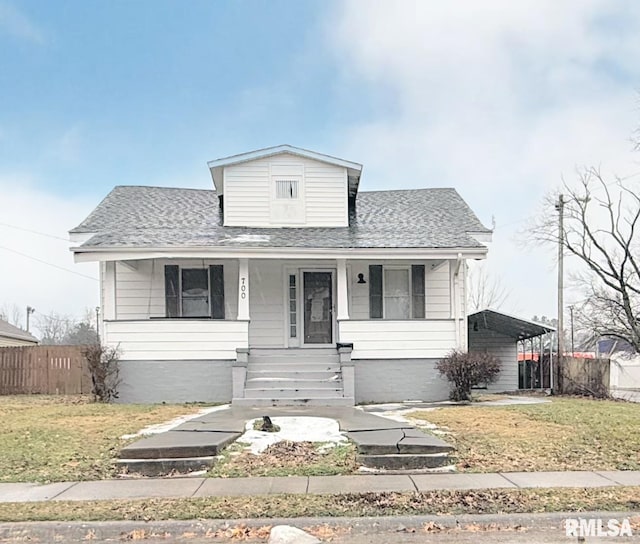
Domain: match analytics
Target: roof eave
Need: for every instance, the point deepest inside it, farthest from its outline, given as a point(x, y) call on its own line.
point(354, 169)
point(93, 254)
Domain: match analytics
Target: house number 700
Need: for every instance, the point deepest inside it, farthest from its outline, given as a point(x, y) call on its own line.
point(243, 288)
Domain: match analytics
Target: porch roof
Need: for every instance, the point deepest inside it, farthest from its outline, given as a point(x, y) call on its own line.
point(158, 217)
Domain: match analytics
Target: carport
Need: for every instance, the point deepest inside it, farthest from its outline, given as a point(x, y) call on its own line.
point(521, 345)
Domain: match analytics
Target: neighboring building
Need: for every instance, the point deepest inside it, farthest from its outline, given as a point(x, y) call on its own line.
point(285, 282)
point(11, 336)
point(498, 333)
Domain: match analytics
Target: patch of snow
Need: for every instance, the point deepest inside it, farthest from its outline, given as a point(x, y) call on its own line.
point(287, 534)
point(248, 238)
point(512, 401)
point(173, 423)
point(295, 429)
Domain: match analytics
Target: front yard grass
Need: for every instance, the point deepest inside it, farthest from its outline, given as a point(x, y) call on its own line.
point(61, 438)
point(287, 459)
point(350, 504)
point(566, 434)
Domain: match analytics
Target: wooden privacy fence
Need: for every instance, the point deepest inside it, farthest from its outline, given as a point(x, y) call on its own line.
point(48, 370)
point(584, 377)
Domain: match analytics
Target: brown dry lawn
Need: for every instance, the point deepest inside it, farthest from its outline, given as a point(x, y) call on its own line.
point(566, 434)
point(49, 439)
point(491, 501)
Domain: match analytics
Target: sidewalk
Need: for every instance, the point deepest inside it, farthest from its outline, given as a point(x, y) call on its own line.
point(210, 487)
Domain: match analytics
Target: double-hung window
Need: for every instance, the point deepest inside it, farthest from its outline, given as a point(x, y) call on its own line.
point(396, 292)
point(194, 292)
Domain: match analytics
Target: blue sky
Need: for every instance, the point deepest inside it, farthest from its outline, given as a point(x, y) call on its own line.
point(498, 99)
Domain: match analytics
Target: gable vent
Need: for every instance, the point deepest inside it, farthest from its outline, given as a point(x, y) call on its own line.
point(287, 188)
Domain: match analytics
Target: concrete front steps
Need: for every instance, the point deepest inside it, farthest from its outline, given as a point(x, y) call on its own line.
point(293, 377)
point(173, 452)
point(400, 449)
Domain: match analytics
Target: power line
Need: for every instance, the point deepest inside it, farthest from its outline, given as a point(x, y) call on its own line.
point(34, 232)
point(49, 264)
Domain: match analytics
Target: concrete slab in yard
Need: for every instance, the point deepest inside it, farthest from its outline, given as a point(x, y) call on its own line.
point(557, 479)
point(131, 489)
point(389, 441)
point(11, 492)
point(622, 477)
point(429, 482)
point(229, 487)
point(350, 419)
point(360, 484)
point(178, 444)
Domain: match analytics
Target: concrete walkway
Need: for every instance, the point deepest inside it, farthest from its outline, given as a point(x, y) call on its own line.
point(212, 487)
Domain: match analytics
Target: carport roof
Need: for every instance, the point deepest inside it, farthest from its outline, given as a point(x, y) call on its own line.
point(515, 327)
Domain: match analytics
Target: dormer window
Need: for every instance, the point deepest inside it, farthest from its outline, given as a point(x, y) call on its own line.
point(287, 189)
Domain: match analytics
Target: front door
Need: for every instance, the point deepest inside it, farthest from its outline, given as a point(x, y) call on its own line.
point(318, 307)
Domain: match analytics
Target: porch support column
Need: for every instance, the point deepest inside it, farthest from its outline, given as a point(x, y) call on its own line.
point(343, 294)
point(243, 290)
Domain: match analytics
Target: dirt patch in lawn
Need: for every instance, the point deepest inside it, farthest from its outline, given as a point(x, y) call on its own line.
point(287, 458)
point(567, 434)
point(61, 438)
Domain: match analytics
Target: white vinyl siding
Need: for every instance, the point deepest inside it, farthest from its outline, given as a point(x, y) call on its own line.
point(437, 288)
point(250, 191)
point(326, 195)
point(5, 341)
point(140, 292)
point(504, 348)
point(177, 339)
point(266, 304)
point(384, 339)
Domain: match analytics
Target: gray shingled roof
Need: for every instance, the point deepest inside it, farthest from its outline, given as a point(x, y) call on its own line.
point(158, 217)
point(9, 331)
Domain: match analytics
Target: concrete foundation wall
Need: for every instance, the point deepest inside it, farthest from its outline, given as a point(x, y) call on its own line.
point(148, 382)
point(394, 380)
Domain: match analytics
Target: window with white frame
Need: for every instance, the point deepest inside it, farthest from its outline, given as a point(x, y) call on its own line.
point(287, 189)
point(194, 292)
point(396, 292)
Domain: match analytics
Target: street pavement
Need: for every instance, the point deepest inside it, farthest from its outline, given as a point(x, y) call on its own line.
point(501, 529)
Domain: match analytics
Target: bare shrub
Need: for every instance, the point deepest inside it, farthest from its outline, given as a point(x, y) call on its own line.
point(465, 370)
point(105, 371)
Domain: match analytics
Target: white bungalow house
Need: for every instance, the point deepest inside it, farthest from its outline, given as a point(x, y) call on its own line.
point(283, 284)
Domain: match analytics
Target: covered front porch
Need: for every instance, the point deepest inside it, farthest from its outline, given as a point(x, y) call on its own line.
point(204, 317)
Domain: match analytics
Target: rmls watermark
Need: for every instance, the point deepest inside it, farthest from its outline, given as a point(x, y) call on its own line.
point(582, 528)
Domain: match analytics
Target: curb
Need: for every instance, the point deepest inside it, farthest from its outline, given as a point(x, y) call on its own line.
point(117, 530)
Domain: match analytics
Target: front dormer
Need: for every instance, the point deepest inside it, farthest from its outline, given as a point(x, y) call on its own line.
point(285, 186)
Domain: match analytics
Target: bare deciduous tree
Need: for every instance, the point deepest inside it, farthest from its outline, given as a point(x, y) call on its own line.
point(484, 291)
point(53, 327)
point(13, 314)
point(601, 222)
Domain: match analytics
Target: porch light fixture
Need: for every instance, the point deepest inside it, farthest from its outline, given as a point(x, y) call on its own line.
point(361, 278)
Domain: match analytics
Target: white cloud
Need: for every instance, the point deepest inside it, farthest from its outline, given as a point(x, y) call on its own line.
point(498, 99)
point(17, 24)
point(25, 281)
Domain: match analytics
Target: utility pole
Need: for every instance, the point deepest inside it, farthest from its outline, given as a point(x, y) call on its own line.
point(30, 310)
point(560, 362)
point(97, 324)
point(572, 348)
